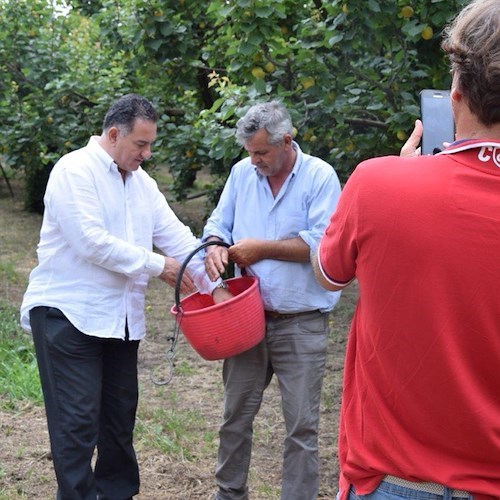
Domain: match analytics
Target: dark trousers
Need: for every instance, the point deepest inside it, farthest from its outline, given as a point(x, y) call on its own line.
point(90, 390)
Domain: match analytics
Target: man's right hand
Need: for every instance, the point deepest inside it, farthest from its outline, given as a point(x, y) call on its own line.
point(169, 275)
point(216, 260)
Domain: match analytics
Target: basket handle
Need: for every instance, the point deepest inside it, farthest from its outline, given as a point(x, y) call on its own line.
point(186, 262)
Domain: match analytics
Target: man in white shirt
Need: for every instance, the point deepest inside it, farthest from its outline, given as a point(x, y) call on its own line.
point(85, 301)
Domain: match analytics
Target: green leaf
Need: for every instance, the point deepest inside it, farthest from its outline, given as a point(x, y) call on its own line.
point(263, 12)
point(246, 48)
point(260, 86)
point(335, 39)
point(373, 5)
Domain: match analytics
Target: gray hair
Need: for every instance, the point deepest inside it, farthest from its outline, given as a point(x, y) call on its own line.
point(270, 116)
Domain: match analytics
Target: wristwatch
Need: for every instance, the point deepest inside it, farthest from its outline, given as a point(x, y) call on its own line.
point(222, 285)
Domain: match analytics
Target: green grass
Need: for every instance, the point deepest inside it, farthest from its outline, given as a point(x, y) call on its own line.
point(180, 433)
point(268, 491)
point(8, 272)
point(19, 380)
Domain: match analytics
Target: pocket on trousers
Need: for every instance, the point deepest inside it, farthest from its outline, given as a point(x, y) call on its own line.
point(314, 323)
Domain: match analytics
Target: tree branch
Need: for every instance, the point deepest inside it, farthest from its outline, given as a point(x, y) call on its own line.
point(365, 122)
point(6, 178)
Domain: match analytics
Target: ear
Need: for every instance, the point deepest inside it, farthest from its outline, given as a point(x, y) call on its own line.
point(456, 94)
point(287, 140)
point(112, 134)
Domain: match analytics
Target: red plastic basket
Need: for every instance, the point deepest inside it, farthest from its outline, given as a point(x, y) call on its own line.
point(219, 331)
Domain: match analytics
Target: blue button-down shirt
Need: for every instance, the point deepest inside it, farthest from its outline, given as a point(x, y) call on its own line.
point(248, 209)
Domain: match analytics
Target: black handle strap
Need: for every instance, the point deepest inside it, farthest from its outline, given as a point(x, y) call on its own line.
point(186, 262)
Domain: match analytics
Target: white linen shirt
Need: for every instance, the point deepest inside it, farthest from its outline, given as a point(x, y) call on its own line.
point(248, 209)
point(95, 254)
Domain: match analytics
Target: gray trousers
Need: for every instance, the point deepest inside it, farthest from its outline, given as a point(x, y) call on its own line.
point(295, 350)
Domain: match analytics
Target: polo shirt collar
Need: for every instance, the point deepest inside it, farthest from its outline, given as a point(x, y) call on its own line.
point(488, 150)
point(467, 144)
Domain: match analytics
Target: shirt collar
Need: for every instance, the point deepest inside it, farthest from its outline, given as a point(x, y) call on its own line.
point(101, 153)
point(298, 160)
point(488, 151)
point(467, 144)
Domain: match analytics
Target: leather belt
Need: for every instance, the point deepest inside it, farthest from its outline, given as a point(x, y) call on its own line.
point(437, 489)
point(278, 315)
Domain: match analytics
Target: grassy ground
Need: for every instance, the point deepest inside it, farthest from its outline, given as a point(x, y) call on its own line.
point(176, 434)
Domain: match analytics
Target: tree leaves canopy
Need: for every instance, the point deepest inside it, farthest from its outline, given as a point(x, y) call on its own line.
point(350, 72)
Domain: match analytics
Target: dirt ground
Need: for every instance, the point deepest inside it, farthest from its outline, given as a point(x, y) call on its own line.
point(25, 464)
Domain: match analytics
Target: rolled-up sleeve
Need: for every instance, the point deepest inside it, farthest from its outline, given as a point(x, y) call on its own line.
point(323, 201)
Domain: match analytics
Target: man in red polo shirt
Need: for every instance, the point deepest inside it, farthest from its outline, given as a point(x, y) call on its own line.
point(421, 399)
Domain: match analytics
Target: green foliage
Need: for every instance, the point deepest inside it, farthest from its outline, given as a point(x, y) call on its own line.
point(57, 81)
point(349, 70)
point(19, 381)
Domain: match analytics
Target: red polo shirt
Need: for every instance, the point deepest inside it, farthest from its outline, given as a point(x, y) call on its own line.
point(421, 396)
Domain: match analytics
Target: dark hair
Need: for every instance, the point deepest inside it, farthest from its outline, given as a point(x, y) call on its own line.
point(472, 42)
point(271, 116)
point(126, 110)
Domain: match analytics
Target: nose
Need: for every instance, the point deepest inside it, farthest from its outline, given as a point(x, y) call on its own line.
point(254, 159)
point(146, 153)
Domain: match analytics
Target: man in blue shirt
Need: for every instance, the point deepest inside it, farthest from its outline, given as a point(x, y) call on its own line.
point(273, 210)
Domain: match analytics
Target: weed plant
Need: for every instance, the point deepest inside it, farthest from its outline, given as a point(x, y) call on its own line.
point(19, 380)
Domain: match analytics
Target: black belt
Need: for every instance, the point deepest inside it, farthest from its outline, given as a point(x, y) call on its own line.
point(278, 315)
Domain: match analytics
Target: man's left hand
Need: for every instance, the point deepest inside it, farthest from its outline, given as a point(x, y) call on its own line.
point(410, 147)
point(245, 252)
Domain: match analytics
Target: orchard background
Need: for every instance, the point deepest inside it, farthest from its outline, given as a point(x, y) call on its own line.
point(350, 72)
